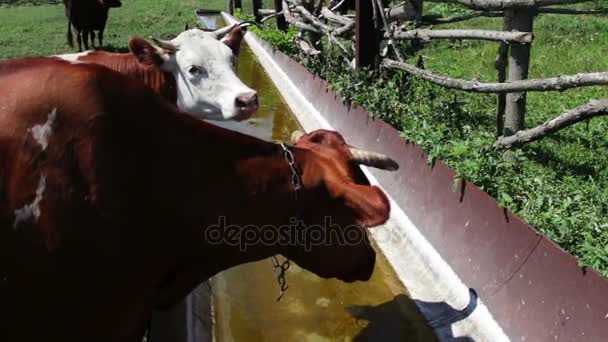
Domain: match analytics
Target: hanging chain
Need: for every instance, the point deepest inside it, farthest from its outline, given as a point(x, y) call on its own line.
point(296, 182)
point(283, 267)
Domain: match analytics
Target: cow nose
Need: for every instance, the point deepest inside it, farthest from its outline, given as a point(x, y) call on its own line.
point(247, 101)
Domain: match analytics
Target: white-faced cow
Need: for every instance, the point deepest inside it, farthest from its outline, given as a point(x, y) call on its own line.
point(86, 17)
point(195, 71)
point(113, 203)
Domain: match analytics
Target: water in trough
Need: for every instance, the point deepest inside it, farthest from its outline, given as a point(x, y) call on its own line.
point(312, 309)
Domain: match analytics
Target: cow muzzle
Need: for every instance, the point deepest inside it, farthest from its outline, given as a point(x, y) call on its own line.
point(245, 105)
point(362, 272)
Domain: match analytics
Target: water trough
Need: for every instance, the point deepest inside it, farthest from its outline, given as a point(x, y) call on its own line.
point(474, 270)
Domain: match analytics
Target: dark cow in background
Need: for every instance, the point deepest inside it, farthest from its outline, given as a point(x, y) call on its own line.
point(86, 17)
point(112, 202)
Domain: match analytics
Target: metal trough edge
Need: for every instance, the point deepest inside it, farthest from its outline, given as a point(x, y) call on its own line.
point(444, 243)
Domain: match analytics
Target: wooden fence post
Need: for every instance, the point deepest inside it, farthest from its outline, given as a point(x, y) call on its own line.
point(519, 61)
point(500, 64)
point(281, 22)
point(367, 42)
point(257, 4)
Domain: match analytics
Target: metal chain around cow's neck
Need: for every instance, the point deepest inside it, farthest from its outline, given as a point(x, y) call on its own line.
point(296, 182)
point(296, 179)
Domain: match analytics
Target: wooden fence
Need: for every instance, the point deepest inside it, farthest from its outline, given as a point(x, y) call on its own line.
point(512, 61)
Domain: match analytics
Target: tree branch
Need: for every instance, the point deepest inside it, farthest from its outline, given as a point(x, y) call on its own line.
point(585, 112)
point(499, 36)
point(544, 84)
point(345, 29)
point(434, 20)
point(333, 17)
point(387, 29)
point(402, 11)
point(265, 12)
point(504, 4)
point(571, 11)
point(316, 23)
point(305, 47)
point(293, 21)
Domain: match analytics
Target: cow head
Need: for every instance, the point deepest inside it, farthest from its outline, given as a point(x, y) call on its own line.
point(342, 204)
point(110, 3)
point(203, 66)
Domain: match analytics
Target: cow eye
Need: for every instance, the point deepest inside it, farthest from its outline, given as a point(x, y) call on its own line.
point(195, 70)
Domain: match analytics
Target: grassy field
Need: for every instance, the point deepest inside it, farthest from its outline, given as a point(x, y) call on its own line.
point(41, 30)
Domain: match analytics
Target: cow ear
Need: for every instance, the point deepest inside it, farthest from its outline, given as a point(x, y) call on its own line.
point(368, 203)
point(371, 205)
point(146, 53)
point(233, 39)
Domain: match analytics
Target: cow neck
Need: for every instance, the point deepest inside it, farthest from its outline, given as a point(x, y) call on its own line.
point(266, 178)
point(162, 82)
point(256, 160)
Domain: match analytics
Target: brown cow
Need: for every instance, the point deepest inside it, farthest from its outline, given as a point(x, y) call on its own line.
point(195, 71)
point(113, 203)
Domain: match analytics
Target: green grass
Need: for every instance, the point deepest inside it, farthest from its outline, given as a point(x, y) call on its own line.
point(560, 184)
point(41, 30)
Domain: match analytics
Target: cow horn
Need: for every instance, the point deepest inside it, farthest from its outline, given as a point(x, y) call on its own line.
point(295, 136)
point(220, 33)
point(373, 159)
point(247, 23)
point(165, 44)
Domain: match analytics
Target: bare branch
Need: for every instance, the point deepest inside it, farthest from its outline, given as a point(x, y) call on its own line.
point(331, 16)
point(585, 112)
point(345, 29)
point(403, 11)
point(313, 24)
point(504, 4)
point(434, 20)
point(499, 36)
point(293, 21)
point(271, 16)
point(305, 47)
point(388, 30)
point(265, 12)
point(338, 5)
point(316, 23)
point(572, 11)
point(544, 84)
point(346, 55)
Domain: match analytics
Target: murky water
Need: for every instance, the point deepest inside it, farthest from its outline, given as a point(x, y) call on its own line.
point(312, 309)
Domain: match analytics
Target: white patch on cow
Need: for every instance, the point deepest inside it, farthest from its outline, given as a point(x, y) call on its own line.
point(42, 133)
point(32, 210)
point(73, 57)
